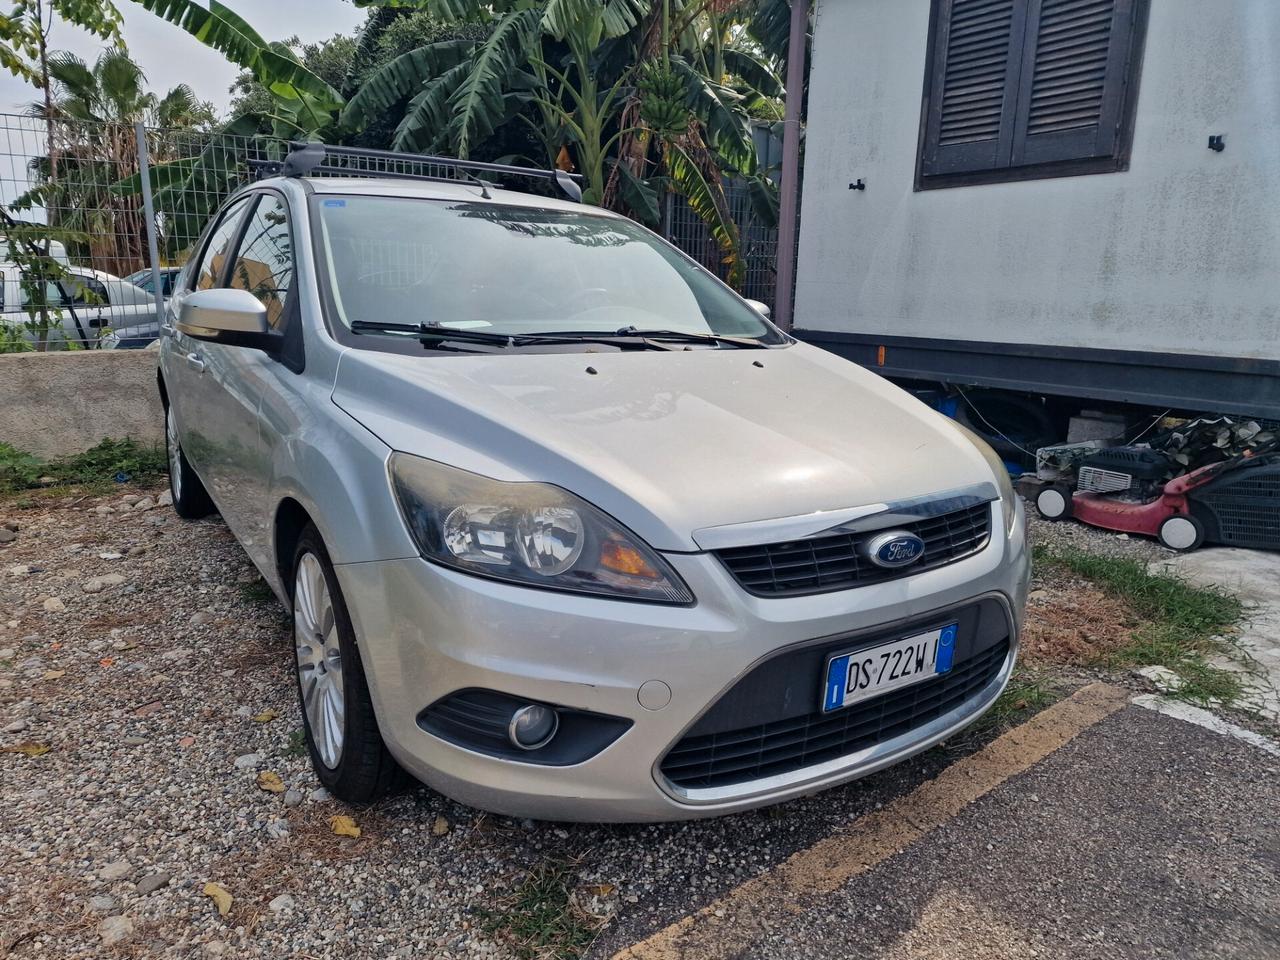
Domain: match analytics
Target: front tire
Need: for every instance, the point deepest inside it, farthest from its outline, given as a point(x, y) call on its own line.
point(346, 747)
point(191, 500)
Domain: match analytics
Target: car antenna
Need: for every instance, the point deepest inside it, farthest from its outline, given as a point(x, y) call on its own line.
point(484, 185)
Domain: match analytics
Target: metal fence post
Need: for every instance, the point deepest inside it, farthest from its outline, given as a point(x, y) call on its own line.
point(149, 210)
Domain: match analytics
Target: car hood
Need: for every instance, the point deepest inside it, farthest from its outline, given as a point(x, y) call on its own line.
point(674, 443)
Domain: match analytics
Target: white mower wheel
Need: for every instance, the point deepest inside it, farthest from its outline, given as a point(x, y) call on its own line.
point(1054, 502)
point(1181, 532)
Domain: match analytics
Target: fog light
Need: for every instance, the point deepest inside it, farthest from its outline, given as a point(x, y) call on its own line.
point(532, 726)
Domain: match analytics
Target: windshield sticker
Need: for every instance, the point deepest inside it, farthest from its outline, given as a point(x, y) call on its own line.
point(335, 203)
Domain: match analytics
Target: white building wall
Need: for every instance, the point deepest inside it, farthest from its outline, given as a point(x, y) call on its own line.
point(1181, 253)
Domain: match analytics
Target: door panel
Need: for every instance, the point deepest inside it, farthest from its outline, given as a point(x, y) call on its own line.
point(191, 393)
point(263, 265)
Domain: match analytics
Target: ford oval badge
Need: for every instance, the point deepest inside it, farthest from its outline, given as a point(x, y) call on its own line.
point(895, 548)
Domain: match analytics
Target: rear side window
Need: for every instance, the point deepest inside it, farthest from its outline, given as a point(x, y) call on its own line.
point(219, 246)
point(264, 262)
point(87, 291)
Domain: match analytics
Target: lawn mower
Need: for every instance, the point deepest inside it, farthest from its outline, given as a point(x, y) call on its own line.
point(1234, 501)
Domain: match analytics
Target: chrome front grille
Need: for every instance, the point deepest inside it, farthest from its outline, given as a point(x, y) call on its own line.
point(838, 561)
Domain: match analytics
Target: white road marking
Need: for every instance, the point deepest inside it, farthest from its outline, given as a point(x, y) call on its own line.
point(1203, 718)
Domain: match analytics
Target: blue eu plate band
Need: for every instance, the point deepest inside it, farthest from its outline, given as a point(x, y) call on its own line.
point(947, 648)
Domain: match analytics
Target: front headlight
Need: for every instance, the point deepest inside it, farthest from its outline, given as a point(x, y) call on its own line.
point(1008, 498)
point(529, 533)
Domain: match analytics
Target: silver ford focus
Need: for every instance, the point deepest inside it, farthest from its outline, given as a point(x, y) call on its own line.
point(568, 529)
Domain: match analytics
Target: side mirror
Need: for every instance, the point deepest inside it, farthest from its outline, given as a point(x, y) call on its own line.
point(761, 308)
point(229, 316)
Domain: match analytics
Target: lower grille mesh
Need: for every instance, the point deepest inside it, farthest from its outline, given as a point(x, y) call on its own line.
point(750, 753)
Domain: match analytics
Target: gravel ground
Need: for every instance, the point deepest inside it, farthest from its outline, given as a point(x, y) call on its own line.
point(146, 656)
point(1069, 534)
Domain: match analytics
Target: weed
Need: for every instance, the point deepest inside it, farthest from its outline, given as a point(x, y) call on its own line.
point(257, 592)
point(540, 919)
point(1181, 624)
point(297, 743)
point(96, 468)
point(1026, 694)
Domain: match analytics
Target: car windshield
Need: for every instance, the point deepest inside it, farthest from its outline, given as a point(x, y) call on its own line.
point(513, 270)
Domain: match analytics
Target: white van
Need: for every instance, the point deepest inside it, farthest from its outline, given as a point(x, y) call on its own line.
point(84, 306)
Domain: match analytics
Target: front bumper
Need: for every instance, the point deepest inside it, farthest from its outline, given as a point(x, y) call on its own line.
point(426, 631)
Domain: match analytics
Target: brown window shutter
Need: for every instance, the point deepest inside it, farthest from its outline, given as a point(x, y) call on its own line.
point(1074, 75)
point(977, 56)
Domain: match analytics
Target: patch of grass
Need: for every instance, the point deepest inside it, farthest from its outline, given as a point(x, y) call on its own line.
point(1026, 694)
point(97, 467)
point(297, 744)
point(540, 920)
point(1181, 624)
point(257, 592)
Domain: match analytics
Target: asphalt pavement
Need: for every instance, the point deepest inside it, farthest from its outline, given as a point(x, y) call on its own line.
point(1101, 831)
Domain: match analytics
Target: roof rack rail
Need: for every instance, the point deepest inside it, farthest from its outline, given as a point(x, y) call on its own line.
point(308, 158)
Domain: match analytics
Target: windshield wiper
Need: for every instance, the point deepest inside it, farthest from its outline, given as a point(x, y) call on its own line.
point(435, 335)
point(685, 336)
point(432, 333)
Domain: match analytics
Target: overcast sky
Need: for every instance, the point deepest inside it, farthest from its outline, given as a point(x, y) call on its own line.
point(169, 55)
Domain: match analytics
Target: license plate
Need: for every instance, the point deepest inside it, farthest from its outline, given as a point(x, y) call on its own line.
point(863, 674)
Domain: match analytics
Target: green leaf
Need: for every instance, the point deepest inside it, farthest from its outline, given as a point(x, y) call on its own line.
point(706, 197)
point(477, 104)
point(621, 15)
point(426, 121)
point(237, 21)
point(718, 107)
point(563, 17)
point(407, 73)
point(163, 176)
point(755, 71)
point(763, 194)
point(770, 26)
point(638, 194)
point(212, 27)
point(445, 10)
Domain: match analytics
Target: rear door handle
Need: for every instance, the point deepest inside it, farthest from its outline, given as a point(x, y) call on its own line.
point(196, 361)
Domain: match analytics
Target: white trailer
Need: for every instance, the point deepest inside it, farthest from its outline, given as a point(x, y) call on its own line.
point(1079, 198)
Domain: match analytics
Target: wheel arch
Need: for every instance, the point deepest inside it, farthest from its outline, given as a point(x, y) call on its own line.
point(291, 519)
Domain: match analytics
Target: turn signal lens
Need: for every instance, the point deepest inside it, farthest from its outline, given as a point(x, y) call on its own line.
point(623, 558)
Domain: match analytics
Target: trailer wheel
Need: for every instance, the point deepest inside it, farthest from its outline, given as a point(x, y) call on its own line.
point(1181, 532)
point(1054, 502)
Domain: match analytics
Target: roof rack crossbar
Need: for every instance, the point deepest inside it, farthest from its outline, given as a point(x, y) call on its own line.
point(306, 158)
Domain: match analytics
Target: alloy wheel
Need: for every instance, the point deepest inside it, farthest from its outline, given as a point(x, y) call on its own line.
point(319, 660)
point(175, 454)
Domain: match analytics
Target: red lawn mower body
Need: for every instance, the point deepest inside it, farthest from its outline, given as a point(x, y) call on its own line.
point(1099, 510)
point(1174, 517)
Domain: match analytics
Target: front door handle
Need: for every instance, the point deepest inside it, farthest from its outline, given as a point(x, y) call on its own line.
point(195, 360)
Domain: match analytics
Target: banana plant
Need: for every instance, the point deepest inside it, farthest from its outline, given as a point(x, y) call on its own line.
point(577, 73)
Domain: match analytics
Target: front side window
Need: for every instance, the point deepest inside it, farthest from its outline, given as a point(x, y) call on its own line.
point(1020, 89)
point(87, 291)
point(514, 270)
point(264, 262)
point(219, 246)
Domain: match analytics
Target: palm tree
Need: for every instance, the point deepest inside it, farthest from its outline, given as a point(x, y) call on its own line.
point(91, 114)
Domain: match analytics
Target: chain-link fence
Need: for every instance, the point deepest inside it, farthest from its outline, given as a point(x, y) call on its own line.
point(758, 241)
point(75, 264)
